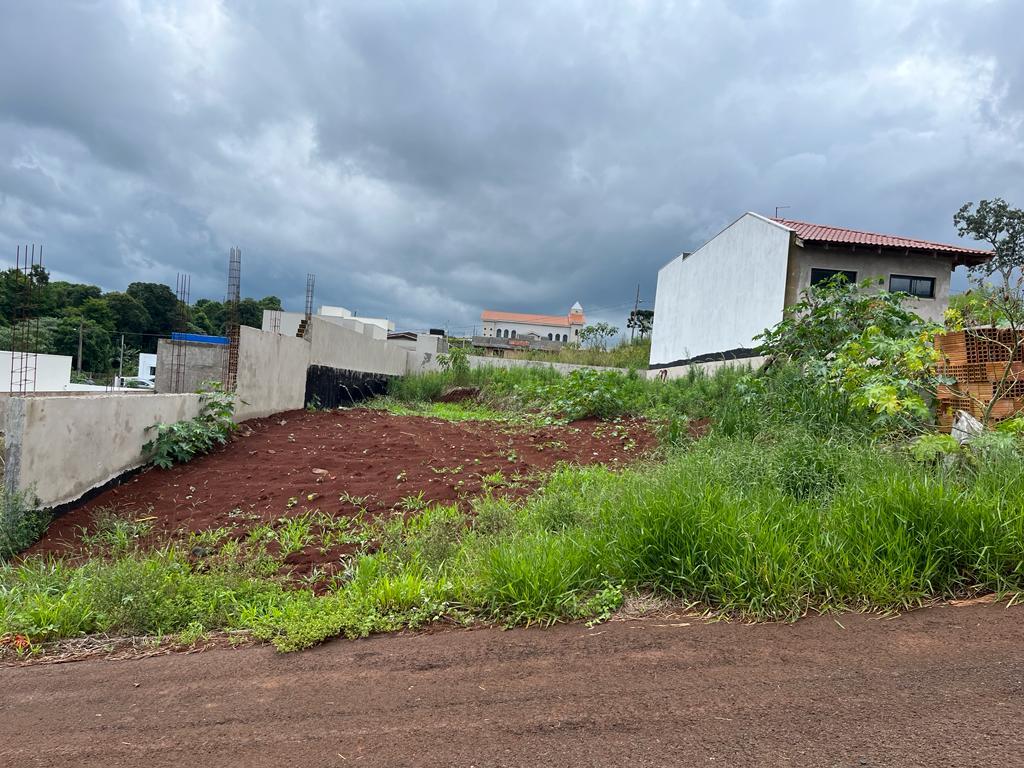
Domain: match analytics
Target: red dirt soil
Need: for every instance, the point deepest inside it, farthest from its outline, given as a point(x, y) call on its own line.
point(942, 686)
point(273, 466)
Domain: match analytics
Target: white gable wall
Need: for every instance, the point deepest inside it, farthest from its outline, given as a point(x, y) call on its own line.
point(723, 294)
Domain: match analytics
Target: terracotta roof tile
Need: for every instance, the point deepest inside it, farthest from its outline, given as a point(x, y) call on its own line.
point(817, 233)
point(561, 321)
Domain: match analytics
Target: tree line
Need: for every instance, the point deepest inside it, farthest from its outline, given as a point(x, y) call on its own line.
point(144, 312)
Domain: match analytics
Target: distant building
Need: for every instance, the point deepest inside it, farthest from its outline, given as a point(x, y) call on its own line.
point(292, 323)
point(25, 372)
point(147, 367)
point(516, 325)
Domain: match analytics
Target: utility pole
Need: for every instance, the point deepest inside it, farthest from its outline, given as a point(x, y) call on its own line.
point(120, 363)
point(636, 306)
point(81, 326)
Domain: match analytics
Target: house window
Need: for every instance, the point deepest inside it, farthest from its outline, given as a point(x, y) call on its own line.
point(823, 275)
point(513, 333)
point(506, 333)
point(922, 287)
point(549, 337)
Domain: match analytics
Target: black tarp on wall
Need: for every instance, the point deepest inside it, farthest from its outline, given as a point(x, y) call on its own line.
point(333, 387)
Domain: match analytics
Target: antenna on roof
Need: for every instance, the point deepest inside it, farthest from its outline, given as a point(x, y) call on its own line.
point(779, 208)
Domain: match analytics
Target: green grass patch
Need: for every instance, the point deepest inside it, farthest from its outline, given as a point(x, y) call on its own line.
point(463, 411)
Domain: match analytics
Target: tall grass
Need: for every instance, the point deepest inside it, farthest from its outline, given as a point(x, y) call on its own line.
point(769, 529)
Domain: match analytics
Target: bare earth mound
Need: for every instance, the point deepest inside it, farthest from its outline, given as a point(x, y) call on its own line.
point(339, 462)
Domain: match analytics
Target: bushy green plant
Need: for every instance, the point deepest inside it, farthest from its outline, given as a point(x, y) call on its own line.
point(182, 441)
point(456, 362)
point(588, 393)
point(864, 343)
point(21, 521)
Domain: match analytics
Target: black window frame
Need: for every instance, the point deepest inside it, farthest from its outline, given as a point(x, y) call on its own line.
point(824, 275)
point(913, 279)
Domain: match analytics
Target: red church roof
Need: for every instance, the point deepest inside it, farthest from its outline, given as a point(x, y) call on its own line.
point(562, 321)
point(816, 233)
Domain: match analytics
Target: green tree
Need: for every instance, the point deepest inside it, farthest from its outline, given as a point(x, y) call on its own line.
point(211, 315)
point(598, 335)
point(99, 312)
point(161, 305)
point(641, 320)
point(62, 295)
point(130, 317)
point(15, 289)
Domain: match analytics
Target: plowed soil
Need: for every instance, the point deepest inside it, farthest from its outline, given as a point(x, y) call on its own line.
point(943, 686)
point(339, 462)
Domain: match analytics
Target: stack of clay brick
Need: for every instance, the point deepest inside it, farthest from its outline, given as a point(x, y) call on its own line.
point(977, 358)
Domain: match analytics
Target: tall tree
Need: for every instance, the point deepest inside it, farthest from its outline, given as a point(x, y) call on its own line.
point(161, 305)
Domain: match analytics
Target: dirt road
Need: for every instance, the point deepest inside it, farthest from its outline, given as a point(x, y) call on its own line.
point(939, 687)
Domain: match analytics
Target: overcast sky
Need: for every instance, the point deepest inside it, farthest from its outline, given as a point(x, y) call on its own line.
point(429, 159)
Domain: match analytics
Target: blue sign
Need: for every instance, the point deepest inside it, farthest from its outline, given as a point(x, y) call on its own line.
point(200, 338)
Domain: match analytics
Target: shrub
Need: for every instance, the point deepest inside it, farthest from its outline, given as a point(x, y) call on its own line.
point(21, 522)
point(182, 441)
point(863, 343)
point(456, 362)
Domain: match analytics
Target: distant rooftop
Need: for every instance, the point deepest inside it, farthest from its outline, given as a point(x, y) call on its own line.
point(562, 321)
point(818, 233)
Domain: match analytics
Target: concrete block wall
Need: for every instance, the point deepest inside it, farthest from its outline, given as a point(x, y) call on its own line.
point(271, 373)
point(62, 447)
point(202, 362)
point(563, 368)
point(336, 346)
point(709, 367)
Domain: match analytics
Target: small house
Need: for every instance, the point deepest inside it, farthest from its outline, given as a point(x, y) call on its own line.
point(711, 303)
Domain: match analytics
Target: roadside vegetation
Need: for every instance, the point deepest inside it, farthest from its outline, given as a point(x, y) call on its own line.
point(627, 354)
point(823, 485)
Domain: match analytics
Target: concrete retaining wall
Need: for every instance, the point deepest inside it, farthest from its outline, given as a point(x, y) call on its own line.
point(678, 371)
point(336, 346)
point(562, 368)
point(271, 373)
point(62, 447)
point(202, 362)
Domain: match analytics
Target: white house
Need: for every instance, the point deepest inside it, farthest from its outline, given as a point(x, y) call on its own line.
point(30, 372)
point(147, 367)
point(289, 323)
point(711, 303)
point(512, 325)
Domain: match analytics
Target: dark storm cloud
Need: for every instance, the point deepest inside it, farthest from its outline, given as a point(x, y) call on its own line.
point(429, 159)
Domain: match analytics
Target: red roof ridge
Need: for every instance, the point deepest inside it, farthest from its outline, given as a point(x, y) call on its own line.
point(522, 317)
point(823, 233)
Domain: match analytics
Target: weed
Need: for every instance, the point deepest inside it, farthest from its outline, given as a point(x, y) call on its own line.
point(21, 521)
point(182, 441)
point(116, 531)
point(293, 534)
point(192, 634)
point(413, 503)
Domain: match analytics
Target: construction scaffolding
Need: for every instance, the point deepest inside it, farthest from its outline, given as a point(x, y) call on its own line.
point(179, 347)
point(25, 321)
point(231, 318)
